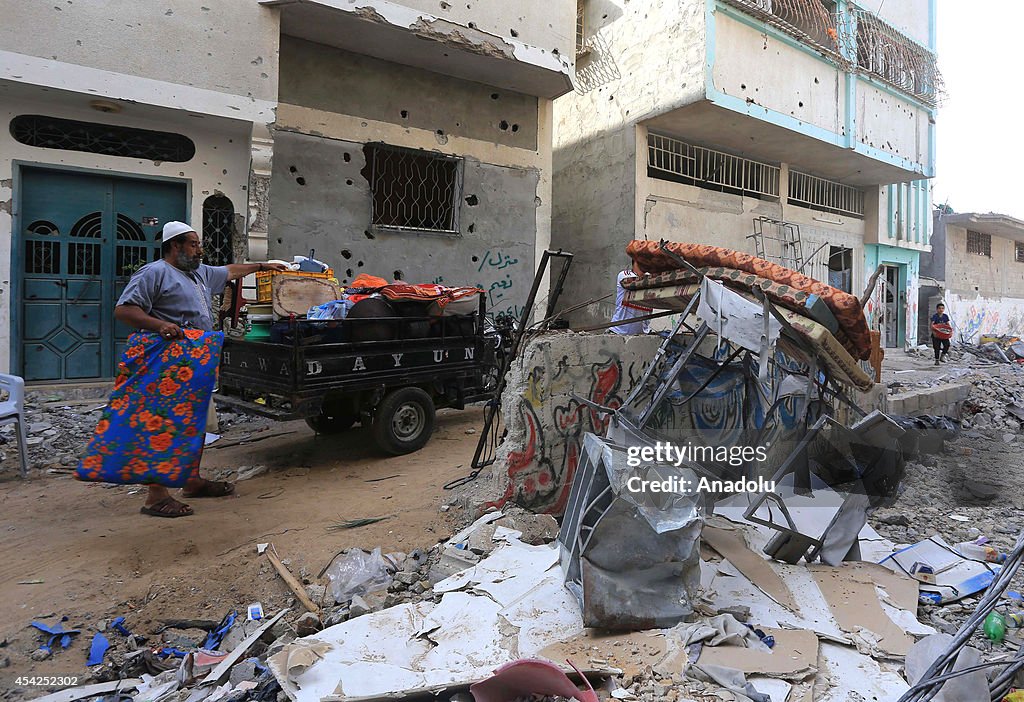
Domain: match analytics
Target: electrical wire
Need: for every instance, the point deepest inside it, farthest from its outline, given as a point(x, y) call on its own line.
point(930, 683)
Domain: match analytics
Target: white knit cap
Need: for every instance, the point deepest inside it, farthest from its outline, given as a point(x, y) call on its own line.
point(173, 229)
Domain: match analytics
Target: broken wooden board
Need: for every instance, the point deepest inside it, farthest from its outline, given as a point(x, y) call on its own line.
point(849, 590)
point(733, 547)
point(794, 657)
point(599, 651)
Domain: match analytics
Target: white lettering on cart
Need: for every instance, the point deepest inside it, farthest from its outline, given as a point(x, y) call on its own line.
point(227, 358)
point(439, 355)
point(398, 359)
point(314, 368)
point(470, 354)
point(359, 365)
point(263, 363)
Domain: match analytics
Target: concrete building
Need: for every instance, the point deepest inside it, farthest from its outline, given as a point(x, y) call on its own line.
point(975, 268)
point(801, 130)
point(405, 139)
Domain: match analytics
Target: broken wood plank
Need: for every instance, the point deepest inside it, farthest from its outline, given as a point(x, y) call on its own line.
point(292, 583)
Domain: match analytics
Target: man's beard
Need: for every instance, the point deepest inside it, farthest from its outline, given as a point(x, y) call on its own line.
point(187, 263)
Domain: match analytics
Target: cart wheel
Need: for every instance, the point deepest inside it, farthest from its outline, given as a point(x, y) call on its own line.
point(324, 423)
point(404, 421)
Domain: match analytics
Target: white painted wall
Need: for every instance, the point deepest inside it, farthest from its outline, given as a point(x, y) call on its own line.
point(227, 46)
point(891, 124)
point(776, 75)
point(546, 25)
point(221, 164)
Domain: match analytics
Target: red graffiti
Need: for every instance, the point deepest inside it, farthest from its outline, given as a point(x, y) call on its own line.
point(535, 474)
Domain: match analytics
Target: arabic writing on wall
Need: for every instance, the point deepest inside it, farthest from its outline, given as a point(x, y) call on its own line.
point(495, 269)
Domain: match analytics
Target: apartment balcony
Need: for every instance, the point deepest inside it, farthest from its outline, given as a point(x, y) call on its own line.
point(839, 94)
point(518, 45)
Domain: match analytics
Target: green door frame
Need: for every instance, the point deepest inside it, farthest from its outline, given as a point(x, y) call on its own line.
point(17, 249)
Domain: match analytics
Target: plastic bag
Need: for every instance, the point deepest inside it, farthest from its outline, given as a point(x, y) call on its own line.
point(335, 309)
point(967, 688)
point(358, 572)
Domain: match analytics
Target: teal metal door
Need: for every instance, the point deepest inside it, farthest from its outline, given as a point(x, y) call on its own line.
point(81, 238)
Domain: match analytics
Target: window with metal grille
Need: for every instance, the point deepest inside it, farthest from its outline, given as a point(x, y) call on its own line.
point(414, 189)
point(1018, 251)
point(824, 195)
point(42, 256)
point(978, 243)
point(107, 139)
point(672, 159)
point(218, 226)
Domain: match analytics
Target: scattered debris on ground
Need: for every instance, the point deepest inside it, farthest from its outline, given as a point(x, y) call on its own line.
point(879, 563)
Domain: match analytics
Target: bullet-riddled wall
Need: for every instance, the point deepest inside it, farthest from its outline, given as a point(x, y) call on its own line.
point(331, 107)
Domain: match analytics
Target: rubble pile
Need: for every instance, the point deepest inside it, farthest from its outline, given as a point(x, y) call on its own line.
point(60, 425)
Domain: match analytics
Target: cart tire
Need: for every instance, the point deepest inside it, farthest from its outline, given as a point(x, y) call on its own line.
point(403, 421)
point(329, 424)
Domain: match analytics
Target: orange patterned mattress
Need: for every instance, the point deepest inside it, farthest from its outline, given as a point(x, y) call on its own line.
point(846, 307)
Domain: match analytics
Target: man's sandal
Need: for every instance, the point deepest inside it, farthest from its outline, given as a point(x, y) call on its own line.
point(168, 507)
point(210, 488)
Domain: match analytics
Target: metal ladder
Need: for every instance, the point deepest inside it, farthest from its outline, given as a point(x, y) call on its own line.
point(778, 242)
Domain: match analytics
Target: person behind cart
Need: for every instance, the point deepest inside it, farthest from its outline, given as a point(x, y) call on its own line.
point(942, 332)
point(152, 430)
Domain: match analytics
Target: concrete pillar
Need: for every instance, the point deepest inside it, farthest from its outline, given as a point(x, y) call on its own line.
point(783, 184)
point(262, 148)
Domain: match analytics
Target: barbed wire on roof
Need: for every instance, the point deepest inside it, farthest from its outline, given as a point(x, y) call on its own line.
point(807, 20)
point(887, 54)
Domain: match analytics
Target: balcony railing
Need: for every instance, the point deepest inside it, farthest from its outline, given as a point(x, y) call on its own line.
point(672, 159)
point(825, 195)
point(896, 59)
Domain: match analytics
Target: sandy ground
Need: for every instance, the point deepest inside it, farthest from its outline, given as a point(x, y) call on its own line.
point(99, 558)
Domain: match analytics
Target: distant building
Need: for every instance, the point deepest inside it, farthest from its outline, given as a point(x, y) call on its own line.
point(802, 130)
point(404, 138)
point(976, 268)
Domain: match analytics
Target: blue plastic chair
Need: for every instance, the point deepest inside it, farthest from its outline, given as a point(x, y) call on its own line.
point(12, 411)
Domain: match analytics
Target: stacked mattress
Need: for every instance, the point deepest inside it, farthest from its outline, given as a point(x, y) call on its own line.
point(830, 320)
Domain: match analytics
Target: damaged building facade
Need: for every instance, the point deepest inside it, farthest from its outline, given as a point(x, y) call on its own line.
point(413, 139)
point(975, 268)
point(798, 130)
point(118, 117)
point(407, 140)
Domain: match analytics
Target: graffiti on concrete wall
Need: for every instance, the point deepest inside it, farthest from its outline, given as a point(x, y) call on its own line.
point(978, 316)
point(541, 466)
